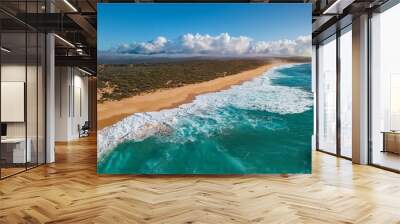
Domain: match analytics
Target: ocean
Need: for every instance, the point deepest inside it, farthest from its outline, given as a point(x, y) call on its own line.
point(262, 126)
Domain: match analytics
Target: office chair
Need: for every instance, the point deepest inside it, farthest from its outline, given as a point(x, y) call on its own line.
point(84, 130)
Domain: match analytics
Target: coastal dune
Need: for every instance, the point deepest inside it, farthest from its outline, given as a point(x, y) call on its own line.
point(111, 112)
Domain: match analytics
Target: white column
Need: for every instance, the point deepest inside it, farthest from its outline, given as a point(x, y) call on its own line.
point(50, 99)
point(360, 90)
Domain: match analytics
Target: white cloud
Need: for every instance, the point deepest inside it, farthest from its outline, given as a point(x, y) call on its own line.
point(220, 45)
point(301, 46)
point(152, 47)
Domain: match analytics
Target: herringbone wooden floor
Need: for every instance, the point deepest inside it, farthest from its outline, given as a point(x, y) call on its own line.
point(70, 191)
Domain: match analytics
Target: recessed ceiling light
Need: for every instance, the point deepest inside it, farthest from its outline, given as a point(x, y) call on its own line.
point(64, 40)
point(70, 5)
point(5, 50)
point(86, 72)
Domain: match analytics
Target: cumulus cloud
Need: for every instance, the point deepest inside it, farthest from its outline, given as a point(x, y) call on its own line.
point(152, 47)
point(219, 45)
point(301, 46)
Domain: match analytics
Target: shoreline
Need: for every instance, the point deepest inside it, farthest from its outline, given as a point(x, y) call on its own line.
point(111, 112)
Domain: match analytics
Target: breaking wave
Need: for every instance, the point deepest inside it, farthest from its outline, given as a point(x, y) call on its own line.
point(212, 113)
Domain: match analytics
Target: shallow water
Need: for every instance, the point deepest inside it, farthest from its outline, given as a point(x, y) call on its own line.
point(262, 126)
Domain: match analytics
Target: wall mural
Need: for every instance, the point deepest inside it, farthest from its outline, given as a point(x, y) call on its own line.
point(204, 88)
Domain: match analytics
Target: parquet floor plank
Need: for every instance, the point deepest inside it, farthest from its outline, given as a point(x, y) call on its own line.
point(70, 191)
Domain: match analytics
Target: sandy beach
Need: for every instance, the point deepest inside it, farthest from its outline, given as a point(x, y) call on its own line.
point(113, 111)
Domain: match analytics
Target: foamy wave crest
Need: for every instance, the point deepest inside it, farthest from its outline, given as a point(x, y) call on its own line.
point(259, 94)
point(210, 113)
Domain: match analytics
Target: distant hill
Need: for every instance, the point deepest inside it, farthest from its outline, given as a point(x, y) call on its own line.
point(131, 59)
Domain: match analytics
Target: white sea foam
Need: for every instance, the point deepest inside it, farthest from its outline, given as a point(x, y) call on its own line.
point(257, 94)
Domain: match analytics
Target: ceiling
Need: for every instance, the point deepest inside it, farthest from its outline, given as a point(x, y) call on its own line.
point(75, 21)
point(329, 16)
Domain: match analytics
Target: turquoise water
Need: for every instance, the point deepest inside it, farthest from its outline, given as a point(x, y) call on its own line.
point(262, 126)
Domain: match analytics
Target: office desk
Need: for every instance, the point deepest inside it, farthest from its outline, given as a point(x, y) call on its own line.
point(391, 141)
point(13, 150)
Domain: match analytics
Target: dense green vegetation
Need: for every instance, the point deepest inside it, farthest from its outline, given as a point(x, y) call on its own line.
point(120, 81)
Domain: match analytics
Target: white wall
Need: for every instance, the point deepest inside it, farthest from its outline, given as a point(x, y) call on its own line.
point(71, 87)
point(17, 73)
point(12, 73)
point(81, 84)
point(62, 81)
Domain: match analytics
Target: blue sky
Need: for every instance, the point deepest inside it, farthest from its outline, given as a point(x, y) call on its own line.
point(126, 23)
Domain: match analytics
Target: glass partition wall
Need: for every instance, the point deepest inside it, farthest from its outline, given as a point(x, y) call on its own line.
point(334, 86)
point(385, 89)
point(334, 95)
point(345, 92)
point(327, 95)
point(22, 77)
